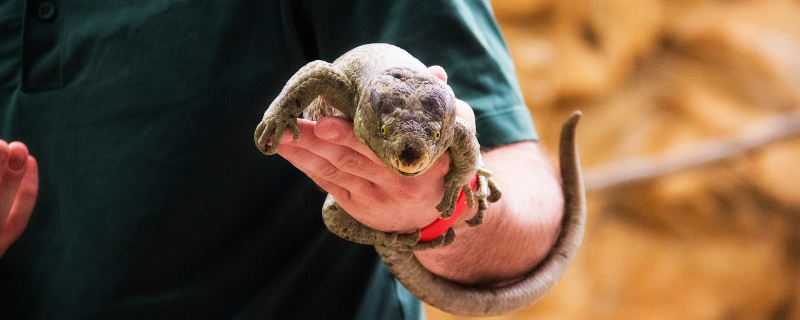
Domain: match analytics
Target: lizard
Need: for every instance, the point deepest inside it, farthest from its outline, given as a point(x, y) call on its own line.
point(406, 116)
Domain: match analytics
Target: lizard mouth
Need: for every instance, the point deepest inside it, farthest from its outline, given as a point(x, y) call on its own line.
point(408, 169)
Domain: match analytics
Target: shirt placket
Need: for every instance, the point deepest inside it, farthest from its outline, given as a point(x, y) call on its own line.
point(41, 59)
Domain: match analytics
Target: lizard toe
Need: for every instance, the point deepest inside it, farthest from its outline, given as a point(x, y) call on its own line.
point(477, 219)
point(469, 195)
point(406, 240)
point(483, 172)
point(443, 240)
point(495, 193)
point(391, 238)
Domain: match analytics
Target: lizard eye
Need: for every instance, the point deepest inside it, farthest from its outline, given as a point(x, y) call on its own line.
point(383, 129)
point(436, 135)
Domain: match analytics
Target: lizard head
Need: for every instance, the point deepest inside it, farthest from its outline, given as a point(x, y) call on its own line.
point(410, 119)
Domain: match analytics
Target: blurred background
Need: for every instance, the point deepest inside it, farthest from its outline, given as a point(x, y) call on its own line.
point(655, 77)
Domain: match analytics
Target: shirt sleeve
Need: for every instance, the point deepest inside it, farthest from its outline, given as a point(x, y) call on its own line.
point(461, 36)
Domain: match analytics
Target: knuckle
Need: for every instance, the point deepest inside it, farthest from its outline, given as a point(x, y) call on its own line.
point(328, 171)
point(348, 160)
point(336, 175)
point(358, 164)
point(326, 185)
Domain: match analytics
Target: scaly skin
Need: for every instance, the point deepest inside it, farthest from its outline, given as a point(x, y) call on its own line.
point(407, 118)
point(464, 300)
point(405, 115)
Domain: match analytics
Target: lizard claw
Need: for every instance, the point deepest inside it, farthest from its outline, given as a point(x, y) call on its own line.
point(469, 195)
point(408, 239)
point(451, 190)
point(402, 242)
point(494, 192)
point(269, 132)
point(448, 208)
point(477, 219)
point(481, 195)
point(391, 238)
point(443, 240)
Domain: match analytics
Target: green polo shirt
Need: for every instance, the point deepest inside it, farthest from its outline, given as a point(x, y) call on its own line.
point(154, 202)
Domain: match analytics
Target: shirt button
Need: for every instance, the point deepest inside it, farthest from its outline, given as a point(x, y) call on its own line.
point(46, 11)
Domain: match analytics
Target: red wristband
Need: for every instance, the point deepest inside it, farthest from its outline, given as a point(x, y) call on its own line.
point(439, 226)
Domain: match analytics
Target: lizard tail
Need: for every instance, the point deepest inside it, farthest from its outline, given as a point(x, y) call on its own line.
point(465, 300)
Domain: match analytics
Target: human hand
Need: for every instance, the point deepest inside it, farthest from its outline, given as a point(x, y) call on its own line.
point(19, 185)
point(331, 155)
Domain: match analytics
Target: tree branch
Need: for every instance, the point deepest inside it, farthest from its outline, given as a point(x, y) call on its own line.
point(638, 169)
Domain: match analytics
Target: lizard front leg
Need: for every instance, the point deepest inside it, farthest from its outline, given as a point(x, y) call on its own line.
point(345, 226)
point(466, 161)
point(314, 79)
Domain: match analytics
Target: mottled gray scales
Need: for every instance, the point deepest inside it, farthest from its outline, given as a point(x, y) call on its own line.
point(407, 117)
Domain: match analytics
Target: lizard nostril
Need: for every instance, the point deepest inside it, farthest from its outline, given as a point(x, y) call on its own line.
point(409, 155)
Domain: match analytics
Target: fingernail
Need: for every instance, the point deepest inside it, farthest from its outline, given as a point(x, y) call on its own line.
point(329, 134)
point(16, 161)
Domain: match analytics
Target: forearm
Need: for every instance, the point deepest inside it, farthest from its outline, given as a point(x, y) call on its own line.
point(518, 230)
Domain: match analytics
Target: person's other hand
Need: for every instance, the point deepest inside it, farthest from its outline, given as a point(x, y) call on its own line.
point(19, 185)
point(331, 155)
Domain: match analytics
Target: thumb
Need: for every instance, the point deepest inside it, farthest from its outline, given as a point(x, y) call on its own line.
point(23, 205)
point(438, 72)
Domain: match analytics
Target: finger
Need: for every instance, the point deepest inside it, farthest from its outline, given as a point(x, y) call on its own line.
point(3, 199)
point(3, 153)
point(377, 172)
point(344, 151)
point(305, 127)
point(438, 72)
point(330, 178)
point(340, 131)
point(341, 185)
point(23, 205)
point(316, 166)
point(264, 138)
point(464, 111)
point(289, 134)
point(12, 171)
